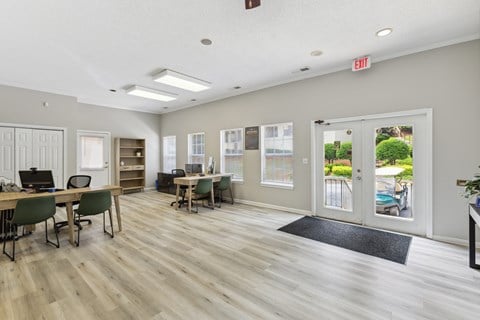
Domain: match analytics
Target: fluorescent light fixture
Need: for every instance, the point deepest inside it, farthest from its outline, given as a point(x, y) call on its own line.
point(384, 32)
point(150, 93)
point(181, 81)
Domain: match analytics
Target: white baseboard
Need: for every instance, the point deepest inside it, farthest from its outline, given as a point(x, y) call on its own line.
point(272, 206)
point(457, 241)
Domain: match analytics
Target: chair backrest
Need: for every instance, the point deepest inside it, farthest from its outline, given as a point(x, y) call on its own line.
point(95, 202)
point(224, 183)
point(178, 173)
point(33, 210)
point(79, 181)
point(203, 186)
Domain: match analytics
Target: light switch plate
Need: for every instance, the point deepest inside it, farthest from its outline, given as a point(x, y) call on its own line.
point(305, 160)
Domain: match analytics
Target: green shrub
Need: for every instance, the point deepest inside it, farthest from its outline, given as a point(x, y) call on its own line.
point(345, 151)
point(392, 150)
point(381, 137)
point(342, 171)
point(329, 152)
point(408, 161)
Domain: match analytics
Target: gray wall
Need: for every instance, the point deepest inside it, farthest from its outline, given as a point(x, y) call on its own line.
point(445, 79)
point(22, 106)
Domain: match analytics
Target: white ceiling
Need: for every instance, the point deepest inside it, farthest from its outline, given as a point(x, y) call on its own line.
point(84, 48)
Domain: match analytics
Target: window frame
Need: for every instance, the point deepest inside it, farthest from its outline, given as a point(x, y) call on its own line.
point(190, 145)
point(274, 184)
point(222, 153)
point(164, 151)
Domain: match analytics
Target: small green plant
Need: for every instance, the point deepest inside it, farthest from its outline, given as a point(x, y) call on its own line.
point(472, 187)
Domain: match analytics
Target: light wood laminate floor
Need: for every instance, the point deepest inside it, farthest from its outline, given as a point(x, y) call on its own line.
point(229, 263)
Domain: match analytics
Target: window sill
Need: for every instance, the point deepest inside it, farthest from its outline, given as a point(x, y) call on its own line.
point(276, 185)
point(237, 181)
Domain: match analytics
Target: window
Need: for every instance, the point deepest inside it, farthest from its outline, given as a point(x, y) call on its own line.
point(277, 154)
point(91, 152)
point(196, 148)
point(231, 152)
point(169, 153)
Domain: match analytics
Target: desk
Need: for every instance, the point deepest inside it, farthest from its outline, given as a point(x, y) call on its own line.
point(191, 181)
point(8, 200)
point(473, 219)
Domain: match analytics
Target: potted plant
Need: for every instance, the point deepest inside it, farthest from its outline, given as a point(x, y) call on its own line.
point(472, 188)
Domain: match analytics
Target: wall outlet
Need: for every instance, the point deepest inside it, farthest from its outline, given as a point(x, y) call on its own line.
point(305, 160)
point(461, 182)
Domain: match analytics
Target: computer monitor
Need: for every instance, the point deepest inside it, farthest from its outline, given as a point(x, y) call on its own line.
point(37, 179)
point(192, 168)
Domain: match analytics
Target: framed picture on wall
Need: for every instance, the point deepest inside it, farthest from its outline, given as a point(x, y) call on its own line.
point(251, 138)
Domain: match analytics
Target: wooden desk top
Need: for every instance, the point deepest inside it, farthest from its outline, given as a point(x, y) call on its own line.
point(189, 179)
point(8, 200)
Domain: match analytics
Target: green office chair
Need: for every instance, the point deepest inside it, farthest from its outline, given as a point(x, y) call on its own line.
point(224, 185)
point(93, 203)
point(31, 211)
point(202, 192)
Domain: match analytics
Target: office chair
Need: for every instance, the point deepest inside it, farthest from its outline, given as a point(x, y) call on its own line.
point(223, 185)
point(77, 181)
point(183, 189)
point(31, 211)
point(202, 192)
point(93, 203)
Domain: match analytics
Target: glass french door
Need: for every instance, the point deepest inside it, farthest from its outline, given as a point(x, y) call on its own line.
point(340, 184)
point(374, 172)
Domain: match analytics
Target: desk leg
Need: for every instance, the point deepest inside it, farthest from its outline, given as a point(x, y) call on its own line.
point(471, 243)
point(212, 192)
point(178, 196)
point(71, 230)
point(117, 211)
point(189, 198)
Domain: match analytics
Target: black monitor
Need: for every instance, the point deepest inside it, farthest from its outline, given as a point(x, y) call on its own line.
point(37, 179)
point(193, 168)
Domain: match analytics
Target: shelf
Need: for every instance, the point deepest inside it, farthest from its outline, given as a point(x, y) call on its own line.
point(130, 168)
point(132, 188)
point(127, 179)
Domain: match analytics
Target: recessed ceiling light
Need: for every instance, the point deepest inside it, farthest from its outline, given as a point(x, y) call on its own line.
point(165, 108)
point(384, 32)
point(193, 100)
point(206, 42)
point(237, 87)
point(150, 93)
point(181, 81)
point(316, 53)
point(304, 69)
point(113, 90)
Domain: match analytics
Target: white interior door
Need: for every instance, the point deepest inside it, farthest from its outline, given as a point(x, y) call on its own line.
point(23, 151)
point(47, 153)
point(7, 153)
point(340, 192)
point(93, 156)
point(384, 182)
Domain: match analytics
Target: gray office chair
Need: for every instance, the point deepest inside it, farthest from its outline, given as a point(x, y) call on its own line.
point(183, 189)
point(77, 181)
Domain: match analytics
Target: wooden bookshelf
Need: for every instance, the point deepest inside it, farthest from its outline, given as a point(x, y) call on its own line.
point(130, 164)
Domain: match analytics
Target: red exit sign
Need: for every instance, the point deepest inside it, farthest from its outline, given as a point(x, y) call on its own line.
point(361, 63)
